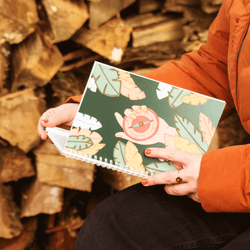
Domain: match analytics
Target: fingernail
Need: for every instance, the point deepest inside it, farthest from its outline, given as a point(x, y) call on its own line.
point(45, 121)
point(144, 182)
point(147, 151)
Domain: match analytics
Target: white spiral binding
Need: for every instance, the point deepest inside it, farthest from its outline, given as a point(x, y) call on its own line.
point(104, 163)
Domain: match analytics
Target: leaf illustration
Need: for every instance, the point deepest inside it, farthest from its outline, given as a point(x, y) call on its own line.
point(93, 149)
point(188, 130)
point(206, 128)
point(159, 167)
point(133, 157)
point(183, 144)
point(119, 153)
point(106, 79)
point(126, 76)
point(163, 90)
point(195, 99)
point(79, 142)
point(94, 136)
point(175, 97)
point(80, 131)
point(131, 90)
point(86, 121)
point(92, 84)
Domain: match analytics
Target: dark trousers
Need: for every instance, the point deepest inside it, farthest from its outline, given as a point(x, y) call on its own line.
point(147, 218)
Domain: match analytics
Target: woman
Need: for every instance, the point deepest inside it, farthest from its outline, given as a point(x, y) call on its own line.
point(160, 214)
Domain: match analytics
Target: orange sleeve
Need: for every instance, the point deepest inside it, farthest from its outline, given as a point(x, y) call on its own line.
point(73, 99)
point(224, 182)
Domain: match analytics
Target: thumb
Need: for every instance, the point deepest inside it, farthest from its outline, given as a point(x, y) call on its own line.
point(54, 120)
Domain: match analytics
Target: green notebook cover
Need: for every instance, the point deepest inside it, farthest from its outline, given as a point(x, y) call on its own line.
point(121, 114)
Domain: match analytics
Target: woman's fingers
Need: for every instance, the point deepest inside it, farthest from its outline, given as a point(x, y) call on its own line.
point(42, 133)
point(194, 196)
point(178, 182)
point(169, 178)
point(41, 125)
point(172, 155)
point(61, 115)
point(179, 189)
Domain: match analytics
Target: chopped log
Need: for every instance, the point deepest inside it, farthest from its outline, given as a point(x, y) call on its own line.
point(14, 165)
point(24, 240)
point(136, 21)
point(109, 40)
point(145, 6)
point(40, 198)
point(118, 180)
point(1, 68)
point(102, 11)
point(18, 20)
point(187, 2)
point(65, 17)
point(181, 6)
point(82, 53)
point(35, 62)
point(78, 58)
point(9, 214)
point(162, 32)
point(210, 6)
point(4, 67)
point(157, 51)
point(217, 2)
point(55, 169)
point(80, 63)
point(4, 91)
point(19, 115)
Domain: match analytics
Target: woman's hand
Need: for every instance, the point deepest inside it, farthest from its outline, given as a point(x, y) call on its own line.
point(189, 173)
point(61, 115)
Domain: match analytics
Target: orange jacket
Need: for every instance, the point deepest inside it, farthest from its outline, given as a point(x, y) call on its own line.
point(220, 68)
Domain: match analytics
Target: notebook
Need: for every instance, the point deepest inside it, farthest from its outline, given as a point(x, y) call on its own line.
point(122, 113)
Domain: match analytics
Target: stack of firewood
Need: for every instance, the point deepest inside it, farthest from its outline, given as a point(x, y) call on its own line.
point(47, 49)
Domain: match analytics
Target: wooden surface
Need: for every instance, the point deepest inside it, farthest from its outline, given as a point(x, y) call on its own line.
point(55, 169)
point(19, 115)
point(109, 40)
point(18, 20)
point(65, 17)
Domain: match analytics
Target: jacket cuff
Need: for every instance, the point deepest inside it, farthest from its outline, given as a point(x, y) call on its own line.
point(224, 181)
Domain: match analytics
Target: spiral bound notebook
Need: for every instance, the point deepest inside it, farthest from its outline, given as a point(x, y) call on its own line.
point(122, 113)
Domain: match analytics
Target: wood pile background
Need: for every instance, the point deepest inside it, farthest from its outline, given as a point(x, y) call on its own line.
point(47, 49)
